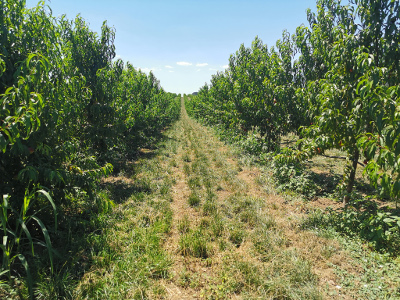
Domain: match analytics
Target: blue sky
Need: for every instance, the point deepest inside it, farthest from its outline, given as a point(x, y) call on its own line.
point(184, 42)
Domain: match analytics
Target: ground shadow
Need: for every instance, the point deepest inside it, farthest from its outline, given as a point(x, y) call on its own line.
point(121, 190)
point(329, 181)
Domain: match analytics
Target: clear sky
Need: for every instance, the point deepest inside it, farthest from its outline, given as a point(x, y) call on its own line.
point(184, 42)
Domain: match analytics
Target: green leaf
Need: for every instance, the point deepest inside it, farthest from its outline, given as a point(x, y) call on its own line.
point(386, 180)
point(3, 143)
point(371, 150)
point(28, 274)
point(396, 189)
point(50, 199)
point(47, 239)
point(27, 233)
point(359, 85)
point(4, 272)
point(4, 215)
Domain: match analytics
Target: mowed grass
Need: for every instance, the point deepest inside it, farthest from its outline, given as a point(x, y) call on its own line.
point(220, 231)
point(210, 225)
point(134, 258)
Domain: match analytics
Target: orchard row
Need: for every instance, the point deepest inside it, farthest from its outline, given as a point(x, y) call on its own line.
point(68, 110)
point(335, 83)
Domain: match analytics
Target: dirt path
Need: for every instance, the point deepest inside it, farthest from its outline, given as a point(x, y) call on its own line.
point(204, 224)
point(229, 197)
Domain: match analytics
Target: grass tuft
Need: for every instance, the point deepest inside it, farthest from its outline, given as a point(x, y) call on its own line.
point(194, 199)
point(184, 225)
point(194, 244)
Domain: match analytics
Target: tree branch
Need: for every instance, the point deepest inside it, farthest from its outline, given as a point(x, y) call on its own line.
point(340, 157)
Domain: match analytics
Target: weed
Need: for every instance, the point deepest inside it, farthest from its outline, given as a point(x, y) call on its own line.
point(204, 223)
point(217, 226)
point(274, 206)
point(194, 244)
point(293, 177)
point(165, 189)
point(236, 235)
point(218, 163)
point(194, 182)
point(264, 245)
point(208, 262)
point(328, 250)
point(186, 169)
point(222, 245)
point(186, 158)
point(195, 282)
point(194, 199)
point(173, 163)
point(268, 222)
point(58, 286)
point(16, 234)
point(159, 290)
point(184, 278)
point(362, 219)
point(249, 216)
point(184, 225)
point(143, 185)
point(209, 208)
point(291, 277)
point(231, 282)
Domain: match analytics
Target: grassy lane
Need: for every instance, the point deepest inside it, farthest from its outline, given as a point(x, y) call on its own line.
point(200, 222)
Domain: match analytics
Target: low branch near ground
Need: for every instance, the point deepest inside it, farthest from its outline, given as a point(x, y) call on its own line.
point(288, 142)
point(341, 157)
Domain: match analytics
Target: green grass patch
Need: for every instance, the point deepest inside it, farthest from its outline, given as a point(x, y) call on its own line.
point(184, 225)
point(195, 244)
point(194, 199)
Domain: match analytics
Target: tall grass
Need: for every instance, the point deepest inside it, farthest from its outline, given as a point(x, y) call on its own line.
point(16, 229)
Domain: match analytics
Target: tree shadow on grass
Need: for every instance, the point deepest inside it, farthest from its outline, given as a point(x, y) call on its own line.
point(121, 190)
point(127, 164)
point(80, 240)
point(329, 181)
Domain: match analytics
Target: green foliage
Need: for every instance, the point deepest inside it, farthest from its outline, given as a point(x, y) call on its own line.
point(341, 91)
point(209, 208)
point(253, 142)
point(194, 199)
point(364, 219)
point(355, 96)
point(255, 92)
point(293, 176)
point(17, 230)
point(68, 112)
point(236, 235)
point(184, 225)
point(194, 244)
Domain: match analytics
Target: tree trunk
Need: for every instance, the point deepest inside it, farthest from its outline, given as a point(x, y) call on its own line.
point(350, 182)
